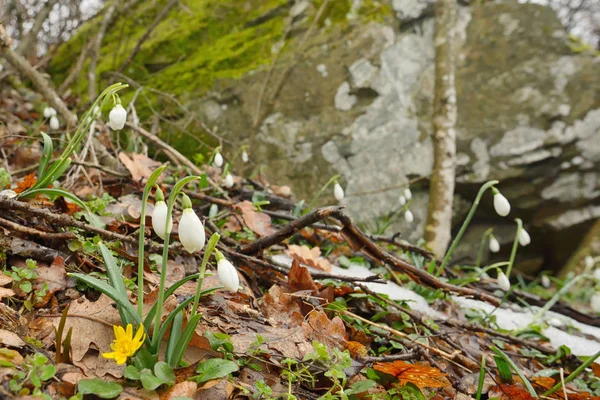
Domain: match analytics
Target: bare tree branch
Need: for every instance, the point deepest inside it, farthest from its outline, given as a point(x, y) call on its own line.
point(95, 51)
point(27, 46)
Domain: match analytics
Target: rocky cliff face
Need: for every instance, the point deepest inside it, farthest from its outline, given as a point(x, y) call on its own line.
point(358, 103)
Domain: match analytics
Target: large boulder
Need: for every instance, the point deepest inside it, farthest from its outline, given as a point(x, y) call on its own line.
point(357, 102)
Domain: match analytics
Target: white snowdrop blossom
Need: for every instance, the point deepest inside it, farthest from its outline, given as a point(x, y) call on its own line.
point(218, 160)
point(245, 156)
point(503, 282)
point(54, 123)
point(228, 275)
point(589, 262)
point(338, 192)
point(228, 181)
point(191, 230)
point(595, 302)
point(494, 245)
point(49, 112)
point(546, 281)
point(213, 210)
point(501, 205)
point(408, 216)
point(159, 219)
point(117, 117)
point(402, 200)
point(407, 194)
point(524, 237)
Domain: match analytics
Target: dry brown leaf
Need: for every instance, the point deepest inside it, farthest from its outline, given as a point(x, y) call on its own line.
point(5, 280)
point(184, 389)
point(138, 165)
point(10, 339)
point(55, 276)
point(357, 350)
point(258, 222)
point(11, 356)
point(509, 392)
point(26, 183)
point(5, 292)
point(311, 257)
point(319, 327)
point(421, 375)
point(282, 191)
point(278, 306)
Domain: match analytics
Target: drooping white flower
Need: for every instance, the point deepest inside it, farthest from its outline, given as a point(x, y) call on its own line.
point(503, 281)
point(595, 302)
point(228, 181)
point(494, 244)
point(407, 194)
point(589, 262)
point(54, 123)
point(546, 281)
point(338, 192)
point(524, 237)
point(228, 275)
point(49, 112)
point(117, 117)
point(501, 205)
point(213, 210)
point(408, 216)
point(191, 230)
point(402, 200)
point(159, 219)
point(218, 160)
point(245, 156)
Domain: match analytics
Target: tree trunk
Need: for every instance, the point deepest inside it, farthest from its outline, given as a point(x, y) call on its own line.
point(439, 219)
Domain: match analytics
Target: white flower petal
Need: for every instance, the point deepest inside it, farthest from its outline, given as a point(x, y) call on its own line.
point(228, 182)
point(49, 112)
point(546, 281)
point(501, 205)
point(117, 117)
point(524, 237)
point(338, 192)
point(245, 157)
point(54, 123)
point(494, 245)
point(503, 282)
point(191, 231)
point(407, 194)
point(402, 200)
point(218, 160)
point(228, 275)
point(159, 220)
point(589, 262)
point(408, 216)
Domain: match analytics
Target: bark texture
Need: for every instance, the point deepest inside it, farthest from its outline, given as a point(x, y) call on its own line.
point(439, 217)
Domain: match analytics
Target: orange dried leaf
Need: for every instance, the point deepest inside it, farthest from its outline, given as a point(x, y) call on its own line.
point(311, 257)
point(357, 350)
point(26, 183)
point(421, 375)
point(509, 392)
point(258, 222)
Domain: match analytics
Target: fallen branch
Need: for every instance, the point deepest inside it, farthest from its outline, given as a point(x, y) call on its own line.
point(34, 232)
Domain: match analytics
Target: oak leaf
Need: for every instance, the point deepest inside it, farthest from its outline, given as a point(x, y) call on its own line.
point(258, 222)
point(26, 183)
point(421, 375)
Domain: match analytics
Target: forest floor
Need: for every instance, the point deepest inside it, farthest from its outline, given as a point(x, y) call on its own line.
point(325, 309)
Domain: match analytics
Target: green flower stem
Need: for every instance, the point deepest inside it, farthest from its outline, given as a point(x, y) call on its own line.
point(210, 247)
point(486, 234)
point(333, 179)
point(464, 226)
point(165, 255)
point(147, 189)
point(558, 295)
point(513, 252)
point(573, 375)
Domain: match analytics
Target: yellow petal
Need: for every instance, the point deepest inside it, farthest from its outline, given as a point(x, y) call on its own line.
point(139, 336)
point(109, 355)
point(119, 333)
point(120, 358)
point(129, 331)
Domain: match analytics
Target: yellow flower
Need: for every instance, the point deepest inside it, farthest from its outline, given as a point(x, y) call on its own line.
point(125, 345)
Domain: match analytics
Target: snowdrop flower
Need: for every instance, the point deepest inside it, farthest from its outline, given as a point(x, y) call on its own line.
point(213, 210)
point(245, 156)
point(501, 205)
point(191, 230)
point(402, 200)
point(159, 216)
point(117, 117)
point(595, 302)
point(408, 216)
point(407, 194)
point(546, 281)
point(494, 244)
point(338, 192)
point(54, 124)
point(218, 160)
point(524, 237)
point(589, 262)
point(228, 182)
point(227, 273)
point(596, 271)
point(503, 282)
point(49, 112)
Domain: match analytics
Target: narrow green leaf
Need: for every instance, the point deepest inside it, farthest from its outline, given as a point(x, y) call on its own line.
point(165, 325)
point(114, 272)
point(60, 192)
point(184, 340)
point(46, 154)
point(214, 368)
point(100, 388)
point(526, 382)
point(481, 378)
point(175, 332)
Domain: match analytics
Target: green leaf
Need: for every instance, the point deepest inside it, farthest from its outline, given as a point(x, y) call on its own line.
point(203, 181)
point(214, 368)
point(46, 154)
point(360, 386)
point(184, 340)
point(100, 388)
point(131, 372)
point(114, 272)
point(163, 371)
point(175, 329)
point(149, 381)
point(503, 369)
point(60, 192)
point(152, 313)
point(144, 359)
point(217, 340)
point(26, 286)
point(527, 384)
point(48, 371)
